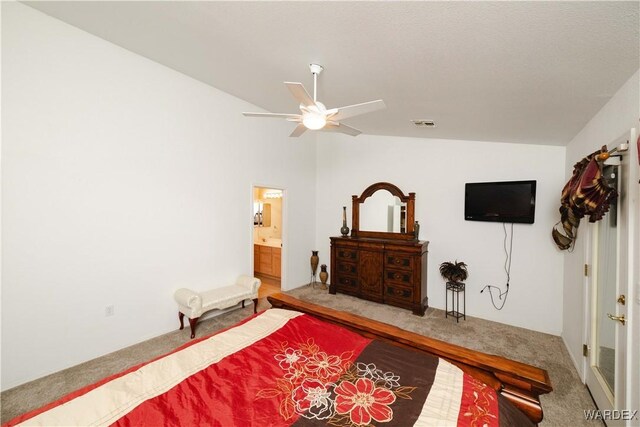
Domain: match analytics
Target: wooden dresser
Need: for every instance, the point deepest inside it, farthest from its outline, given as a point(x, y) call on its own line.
point(386, 271)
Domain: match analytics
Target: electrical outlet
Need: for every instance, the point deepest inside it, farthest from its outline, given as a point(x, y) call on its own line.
point(109, 310)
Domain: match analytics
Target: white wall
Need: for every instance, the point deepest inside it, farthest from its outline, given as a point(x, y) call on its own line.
point(436, 170)
point(613, 121)
point(123, 180)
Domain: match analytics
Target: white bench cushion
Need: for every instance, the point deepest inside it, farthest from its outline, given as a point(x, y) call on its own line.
point(193, 304)
point(224, 297)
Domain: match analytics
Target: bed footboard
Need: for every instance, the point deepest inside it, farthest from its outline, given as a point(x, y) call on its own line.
point(520, 383)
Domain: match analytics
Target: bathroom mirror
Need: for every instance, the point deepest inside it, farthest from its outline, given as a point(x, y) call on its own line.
point(261, 214)
point(383, 211)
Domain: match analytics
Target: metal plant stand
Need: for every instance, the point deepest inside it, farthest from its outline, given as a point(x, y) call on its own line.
point(454, 289)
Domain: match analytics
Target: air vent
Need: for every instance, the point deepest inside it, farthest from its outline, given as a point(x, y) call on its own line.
point(424, 123)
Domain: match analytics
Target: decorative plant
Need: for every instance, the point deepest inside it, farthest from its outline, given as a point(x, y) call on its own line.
point(454, 271)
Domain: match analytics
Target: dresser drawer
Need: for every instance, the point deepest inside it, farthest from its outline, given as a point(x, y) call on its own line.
point(398, 276)
point(346, 254)
point(398, 292)
point(401, 261)
point(346, 268)
point(348, 283)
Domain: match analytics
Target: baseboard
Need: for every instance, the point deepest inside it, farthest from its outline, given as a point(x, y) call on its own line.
point(575, 362)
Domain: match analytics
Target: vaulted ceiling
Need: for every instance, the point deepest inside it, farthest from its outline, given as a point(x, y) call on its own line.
point(524, 72)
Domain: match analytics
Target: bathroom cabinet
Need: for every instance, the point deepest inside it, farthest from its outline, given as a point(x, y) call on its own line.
point(267, 260)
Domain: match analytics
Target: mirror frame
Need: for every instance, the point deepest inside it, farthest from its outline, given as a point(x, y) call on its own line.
point(410, 200)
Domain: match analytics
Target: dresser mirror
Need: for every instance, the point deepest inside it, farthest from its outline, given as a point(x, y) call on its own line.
point(383, 211)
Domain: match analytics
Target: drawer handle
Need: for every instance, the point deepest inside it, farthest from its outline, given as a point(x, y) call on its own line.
point(397, 261)
point(397, 276)
point(398, 292)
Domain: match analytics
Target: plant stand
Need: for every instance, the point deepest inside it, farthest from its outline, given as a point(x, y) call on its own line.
point(454, 289)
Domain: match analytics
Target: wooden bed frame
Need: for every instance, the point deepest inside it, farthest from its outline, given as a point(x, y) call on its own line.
point(520, 383)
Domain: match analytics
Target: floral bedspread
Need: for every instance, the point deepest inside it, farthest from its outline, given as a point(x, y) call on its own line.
point(284, 368)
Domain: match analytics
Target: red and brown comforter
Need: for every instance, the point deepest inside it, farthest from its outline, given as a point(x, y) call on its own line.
point(283, 368)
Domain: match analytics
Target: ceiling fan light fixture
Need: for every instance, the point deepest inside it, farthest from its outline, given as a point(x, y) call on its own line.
point(314, 121)
point(314, 115)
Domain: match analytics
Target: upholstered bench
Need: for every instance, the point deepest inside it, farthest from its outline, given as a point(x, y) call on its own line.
point(193, 304)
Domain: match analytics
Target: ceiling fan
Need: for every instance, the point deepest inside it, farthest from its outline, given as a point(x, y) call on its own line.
point(315, 116)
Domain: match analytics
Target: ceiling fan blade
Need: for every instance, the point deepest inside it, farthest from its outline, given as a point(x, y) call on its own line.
point(357, 109)
point(299, 130)
point(300, 93)
point(342, 128)
point(276, 115)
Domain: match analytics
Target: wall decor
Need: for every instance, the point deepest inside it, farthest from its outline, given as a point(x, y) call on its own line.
point(586, 193)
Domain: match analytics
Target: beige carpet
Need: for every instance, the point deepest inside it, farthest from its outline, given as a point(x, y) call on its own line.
point(563, 407)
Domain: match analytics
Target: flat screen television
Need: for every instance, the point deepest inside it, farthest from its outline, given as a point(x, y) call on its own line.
point(506, 201)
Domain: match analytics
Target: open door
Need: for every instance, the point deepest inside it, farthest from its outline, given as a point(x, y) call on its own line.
point(607, 319)
point(268, 222)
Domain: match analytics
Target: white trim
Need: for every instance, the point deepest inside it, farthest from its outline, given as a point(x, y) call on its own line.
point(633, 277)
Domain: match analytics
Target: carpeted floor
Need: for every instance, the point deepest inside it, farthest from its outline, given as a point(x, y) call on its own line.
point(563, 407)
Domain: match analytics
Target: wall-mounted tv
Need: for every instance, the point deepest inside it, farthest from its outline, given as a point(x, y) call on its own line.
point(506, 201)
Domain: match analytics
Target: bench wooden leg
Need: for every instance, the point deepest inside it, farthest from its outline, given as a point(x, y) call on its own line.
point(255, 305)
point(181, 317)
point(192, 323)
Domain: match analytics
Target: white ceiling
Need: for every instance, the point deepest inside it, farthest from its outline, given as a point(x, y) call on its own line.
point(525, 72)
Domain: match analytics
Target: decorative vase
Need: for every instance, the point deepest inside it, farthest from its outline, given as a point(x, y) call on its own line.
point(323, 276)
point(314, 265)
point(416, 230)
point(344, 229)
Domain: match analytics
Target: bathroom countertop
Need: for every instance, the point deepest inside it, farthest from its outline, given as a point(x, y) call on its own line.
point(274, 243)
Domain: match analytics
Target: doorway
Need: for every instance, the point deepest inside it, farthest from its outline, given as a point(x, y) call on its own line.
point(267, 222)
point(607, 328)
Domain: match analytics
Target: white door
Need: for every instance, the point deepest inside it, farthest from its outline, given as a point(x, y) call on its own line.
point(608, 304)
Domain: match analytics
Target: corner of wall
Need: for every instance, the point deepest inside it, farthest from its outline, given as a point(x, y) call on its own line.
point(579, 366)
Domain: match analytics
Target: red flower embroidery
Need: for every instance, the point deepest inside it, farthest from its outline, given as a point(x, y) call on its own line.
point(363, 401)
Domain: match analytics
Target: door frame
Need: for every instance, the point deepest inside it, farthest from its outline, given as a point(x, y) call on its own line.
point(283, 228)
point(601, 394)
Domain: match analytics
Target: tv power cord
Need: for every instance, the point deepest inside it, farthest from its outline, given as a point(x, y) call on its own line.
point(507, 269)
point(500, 295)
